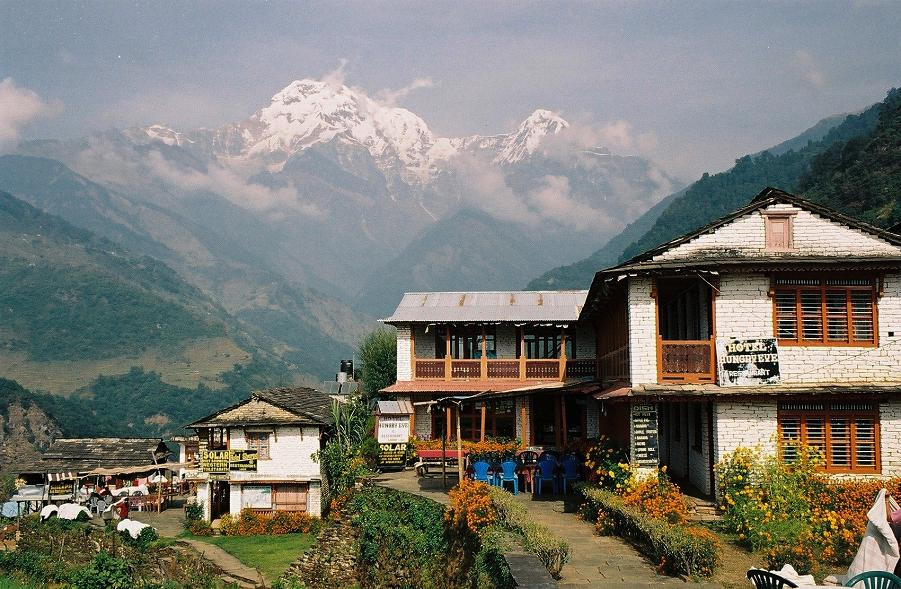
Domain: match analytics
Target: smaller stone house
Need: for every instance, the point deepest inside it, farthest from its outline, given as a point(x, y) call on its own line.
point(259, 453)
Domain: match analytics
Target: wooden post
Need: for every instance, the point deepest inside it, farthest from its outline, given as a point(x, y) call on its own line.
point(412, 350)
point(483, 365)
point(522, 353)
point(565, 428)
point(447, 358)
point(557, 438)
point(447, 417)
point(482, 430)
point(459, 446)
point(563, 353)
point(522, 419)
point(444, 456)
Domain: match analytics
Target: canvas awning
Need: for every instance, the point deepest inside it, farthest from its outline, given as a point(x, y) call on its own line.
point(61, 476)
point(138, 469)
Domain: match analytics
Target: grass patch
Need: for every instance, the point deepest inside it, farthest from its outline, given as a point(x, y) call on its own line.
point(11, 583)
point(270, 554)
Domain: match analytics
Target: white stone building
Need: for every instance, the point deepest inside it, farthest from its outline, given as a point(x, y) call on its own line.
point(523, 357)
point(283, 429)
point(780, 321)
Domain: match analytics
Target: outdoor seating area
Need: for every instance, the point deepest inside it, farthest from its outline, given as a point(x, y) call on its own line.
point(529, 471)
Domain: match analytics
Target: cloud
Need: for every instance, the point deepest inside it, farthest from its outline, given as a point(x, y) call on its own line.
point(552, 200)
point(807, 66)
point(388, 97)
point(336, 77)
point(232, 186)
point(18, 107)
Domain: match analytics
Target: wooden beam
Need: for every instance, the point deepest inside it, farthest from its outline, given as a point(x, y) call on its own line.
point(459, 447)
point(447, 360)
point(562, 353)
point(482, 431)
point(522, 353)
point(483, 365)
point(413, 350)
point(447, 415)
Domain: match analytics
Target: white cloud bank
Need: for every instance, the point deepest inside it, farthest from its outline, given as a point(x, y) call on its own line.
point(18, 107)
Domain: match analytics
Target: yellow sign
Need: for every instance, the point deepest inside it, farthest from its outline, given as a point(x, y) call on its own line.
point(220, 462)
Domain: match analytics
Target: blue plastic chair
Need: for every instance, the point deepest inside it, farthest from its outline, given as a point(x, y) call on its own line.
point(507, 474)
point(546, 471)
point(570, 471)
point(480, 472)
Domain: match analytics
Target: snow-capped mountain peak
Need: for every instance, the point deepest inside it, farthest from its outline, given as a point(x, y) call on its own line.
point(528, 136)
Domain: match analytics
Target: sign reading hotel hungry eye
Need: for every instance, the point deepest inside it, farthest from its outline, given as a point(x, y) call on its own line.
point(645, 443)
point(747, 362)
point(218, 463)
point(394, 429)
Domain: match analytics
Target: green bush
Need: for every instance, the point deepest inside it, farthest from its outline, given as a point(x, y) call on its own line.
point(35, 566)
point(104, 572)
point(193, 512)
point(145, 538)
point(678, 550)
point(199, 527)
point(553, 552)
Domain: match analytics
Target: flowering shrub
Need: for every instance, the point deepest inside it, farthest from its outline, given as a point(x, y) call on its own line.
point(676, 549)
point(538, 539)
point(251, 523)
point(608, 464)
point(491, 449)
point(792, 511)
point(656, 496)
point(199, 527)
point(470, 506)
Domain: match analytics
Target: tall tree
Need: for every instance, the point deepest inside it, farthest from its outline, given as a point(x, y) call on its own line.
point(378, 356)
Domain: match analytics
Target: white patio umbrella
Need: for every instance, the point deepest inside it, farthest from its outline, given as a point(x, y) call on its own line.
point(879, 549)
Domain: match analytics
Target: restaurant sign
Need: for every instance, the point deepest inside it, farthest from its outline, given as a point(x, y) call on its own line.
point(747, 362)
point(218, 463)
point(393, 455)
point(57, 488)
point(645, 440)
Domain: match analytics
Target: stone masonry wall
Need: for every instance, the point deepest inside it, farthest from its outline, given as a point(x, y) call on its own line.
point(642, 331)
point(404, 366)
point(744, 309)
point(331, 563)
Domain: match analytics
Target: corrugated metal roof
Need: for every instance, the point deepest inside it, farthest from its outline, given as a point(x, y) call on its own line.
point(394, 408)
point(524, 306)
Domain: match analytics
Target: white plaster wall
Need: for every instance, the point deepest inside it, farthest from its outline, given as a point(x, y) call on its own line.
point(204, 497)
point(642, 331)
point(404, 359)
point(813, 235)
point(889, 436)
point(314, 498)
point(744, 309)
point(234, 499)
point(290, 450)
point(743, 424)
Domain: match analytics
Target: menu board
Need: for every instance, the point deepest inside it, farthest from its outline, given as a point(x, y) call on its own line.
point(747, 362)
point(645, 443)
point(393, 455)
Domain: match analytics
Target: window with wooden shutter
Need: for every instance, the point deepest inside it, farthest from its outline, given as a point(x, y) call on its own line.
point(259, 441)
point(290, 497)
point(845, 433)
point(779, 231)
point(825, 311)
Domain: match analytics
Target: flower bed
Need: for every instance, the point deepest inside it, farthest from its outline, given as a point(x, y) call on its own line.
point(491, 449)
point(792, 512)
point(677, 549)
point(250, 523)
point(536, 538)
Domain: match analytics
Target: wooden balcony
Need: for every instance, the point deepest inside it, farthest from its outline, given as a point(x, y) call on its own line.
point(503, 369)
point(692, 361)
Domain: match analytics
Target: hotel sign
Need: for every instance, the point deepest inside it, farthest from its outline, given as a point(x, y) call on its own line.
point(747, 362)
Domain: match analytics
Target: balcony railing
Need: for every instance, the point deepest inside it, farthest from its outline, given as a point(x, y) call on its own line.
point(503, 369)
point(686, 360)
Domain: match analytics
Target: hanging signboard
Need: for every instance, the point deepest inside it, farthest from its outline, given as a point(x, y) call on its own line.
point(57, 488)
point(747, 362)
point(214, 461)
point(645, 442)
point(394, 429)
point(243, 460)
point(256, 496)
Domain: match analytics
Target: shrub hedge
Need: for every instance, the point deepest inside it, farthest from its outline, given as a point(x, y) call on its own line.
point(678, 550)
point(251, 523)
point(553, 552)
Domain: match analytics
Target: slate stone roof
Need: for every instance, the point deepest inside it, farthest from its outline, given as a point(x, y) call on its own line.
point(279, 406)
point(83, 454)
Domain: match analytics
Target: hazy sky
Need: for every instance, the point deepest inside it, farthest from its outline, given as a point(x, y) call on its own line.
point(692, 85)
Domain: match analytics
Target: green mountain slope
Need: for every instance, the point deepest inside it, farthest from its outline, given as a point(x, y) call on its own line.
point(714, 196)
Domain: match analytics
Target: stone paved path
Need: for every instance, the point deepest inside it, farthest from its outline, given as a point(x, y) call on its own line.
point(231, 566)
point(596, 561)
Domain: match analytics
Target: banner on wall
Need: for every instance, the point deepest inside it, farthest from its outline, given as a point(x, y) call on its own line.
point(218, 463)
point(747, 362)
point(256, 496)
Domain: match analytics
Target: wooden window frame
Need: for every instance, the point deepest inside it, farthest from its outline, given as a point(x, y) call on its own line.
point(823, 288)
point(827, 414)
point(253, 443)
point(789, 218)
